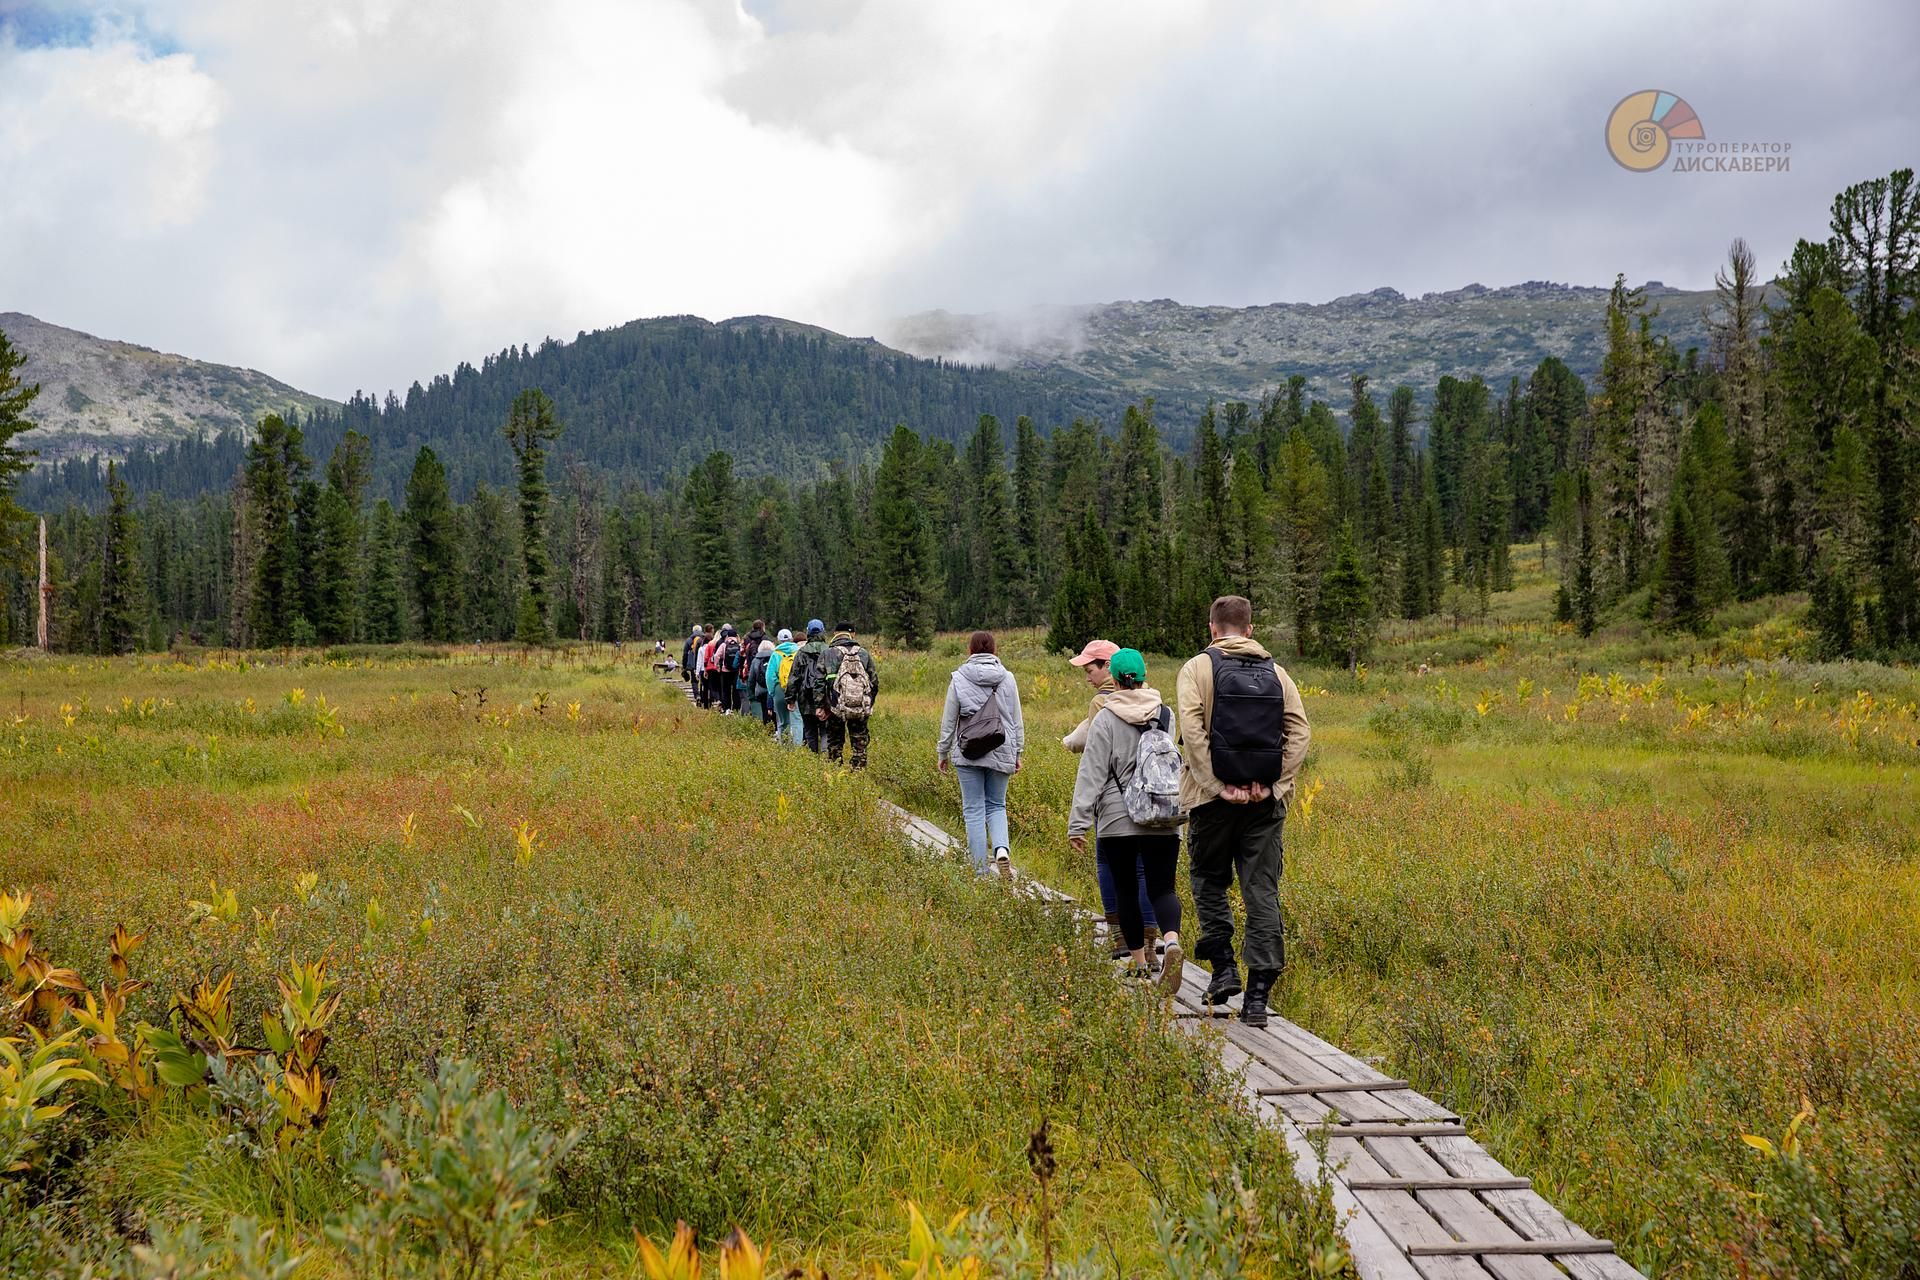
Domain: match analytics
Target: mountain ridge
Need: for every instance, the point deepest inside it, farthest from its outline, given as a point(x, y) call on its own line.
point(105, 395)
point(1185, 353)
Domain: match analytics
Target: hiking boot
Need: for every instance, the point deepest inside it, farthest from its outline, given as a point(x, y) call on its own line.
point(1003, 862)
point(1172, 961)
point(1115, 943)
point(1253, 1009)
point(1225, 984)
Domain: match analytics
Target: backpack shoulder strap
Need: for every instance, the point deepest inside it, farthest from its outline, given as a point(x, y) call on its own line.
point(1165, 718)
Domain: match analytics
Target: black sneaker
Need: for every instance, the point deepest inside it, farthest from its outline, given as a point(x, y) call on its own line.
point(1225, 984)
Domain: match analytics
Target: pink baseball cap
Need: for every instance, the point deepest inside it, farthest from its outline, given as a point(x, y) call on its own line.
point(1096, 651)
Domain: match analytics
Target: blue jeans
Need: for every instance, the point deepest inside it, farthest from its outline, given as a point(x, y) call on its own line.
point(1110, 893)
point(786, 723)
point(983, 804)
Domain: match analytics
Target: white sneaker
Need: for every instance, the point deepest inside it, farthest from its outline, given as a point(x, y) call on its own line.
point(1003, 863)
point(1172, 961)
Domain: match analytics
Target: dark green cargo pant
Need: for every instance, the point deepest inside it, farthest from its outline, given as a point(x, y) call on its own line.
point(1224, 840)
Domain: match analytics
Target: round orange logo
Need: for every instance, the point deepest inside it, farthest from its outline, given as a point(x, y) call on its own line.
point(1642, 126)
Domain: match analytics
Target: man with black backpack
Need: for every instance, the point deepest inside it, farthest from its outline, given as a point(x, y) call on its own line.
point(1245, 731)
point(852, 685)
point(807, 685)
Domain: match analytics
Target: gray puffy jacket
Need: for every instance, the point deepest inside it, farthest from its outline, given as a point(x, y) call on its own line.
point(979, 678)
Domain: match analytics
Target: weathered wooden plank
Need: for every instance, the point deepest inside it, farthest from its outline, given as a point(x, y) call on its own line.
point(1337, 1086)
point(1460, 1212)
point(1375, 1255)
point(1440, 1184)
point(1410, 1130)
point(1528, 1212)
point(1400, 1216)
point(1509, 1248)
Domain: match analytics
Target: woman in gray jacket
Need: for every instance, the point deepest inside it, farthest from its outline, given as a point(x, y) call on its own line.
point(981, 737)
point(1099, 803)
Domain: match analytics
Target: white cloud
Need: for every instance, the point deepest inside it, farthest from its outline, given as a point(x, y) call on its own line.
point(357, 193)
point(104, 141)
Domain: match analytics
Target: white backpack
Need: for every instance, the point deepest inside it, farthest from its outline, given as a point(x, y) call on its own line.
point(1152, 794)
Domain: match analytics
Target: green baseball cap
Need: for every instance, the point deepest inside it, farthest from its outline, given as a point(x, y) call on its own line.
point(1127, 665)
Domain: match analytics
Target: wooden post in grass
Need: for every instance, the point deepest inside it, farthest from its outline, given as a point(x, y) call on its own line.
point(46, 588)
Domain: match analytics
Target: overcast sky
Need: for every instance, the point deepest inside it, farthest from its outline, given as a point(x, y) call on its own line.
point(358, 193)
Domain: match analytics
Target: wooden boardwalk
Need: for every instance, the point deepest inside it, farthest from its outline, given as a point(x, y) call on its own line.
point(1419, 1198)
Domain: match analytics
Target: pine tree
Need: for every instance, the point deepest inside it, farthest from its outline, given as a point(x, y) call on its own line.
point(710, 506)
point(1300, 495)
point(529, 427)
point(336, 569)
point(906, 556)
point(1030, 519)
point(1346, 605)
point(122, 588)
point(276, 465)
point(1586, 591)
point(994, 560)
point(1088, 589)
point(382, 616)
point(16, 397)
point(433, 548)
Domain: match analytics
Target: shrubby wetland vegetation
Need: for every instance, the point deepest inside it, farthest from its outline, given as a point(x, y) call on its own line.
point(368, 907)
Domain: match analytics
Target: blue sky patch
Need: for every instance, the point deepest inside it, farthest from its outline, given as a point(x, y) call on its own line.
point(72, 26)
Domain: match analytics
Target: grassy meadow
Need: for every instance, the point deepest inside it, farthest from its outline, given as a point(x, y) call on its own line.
point(1645, 909)
point(706, 965)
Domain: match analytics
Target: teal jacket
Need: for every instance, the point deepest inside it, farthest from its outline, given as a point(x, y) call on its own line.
point(774, 692)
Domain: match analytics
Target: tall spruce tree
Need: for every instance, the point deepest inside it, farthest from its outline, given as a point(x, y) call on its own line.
point(1345, 624)
point(906, 556)
point(529, 427)
point(16, 398)
point(122, 588)
point(276, 467)
point(433, 548)
point(382, 608)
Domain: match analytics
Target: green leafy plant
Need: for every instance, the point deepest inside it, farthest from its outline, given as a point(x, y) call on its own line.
point(452, 1184)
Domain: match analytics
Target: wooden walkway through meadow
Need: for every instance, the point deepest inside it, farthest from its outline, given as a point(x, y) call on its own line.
point(1419, 1198)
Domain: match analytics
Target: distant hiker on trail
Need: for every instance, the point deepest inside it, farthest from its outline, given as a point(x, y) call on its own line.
point(786, 721)
point(727, 655)
point(1128, 792)
point(756, 679)
point(852, 685)
point(686, 659)
point(982, 736)
point(702, 678)
point(1093, 661)
point(1245, 731)
point(807, 685)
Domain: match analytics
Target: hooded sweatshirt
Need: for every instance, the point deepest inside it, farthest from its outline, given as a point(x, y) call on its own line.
point(1198, 786)
point(1077, 740)
point(977, 679)
point(1113, 748)
point(786, 648)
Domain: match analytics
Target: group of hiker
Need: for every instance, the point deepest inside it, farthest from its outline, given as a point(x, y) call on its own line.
point(1218, 763)
point(818, 692)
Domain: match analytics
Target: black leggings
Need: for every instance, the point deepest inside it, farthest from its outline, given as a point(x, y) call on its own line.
point(1160, 855)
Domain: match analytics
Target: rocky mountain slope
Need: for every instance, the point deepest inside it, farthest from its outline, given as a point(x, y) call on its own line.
point(1183, 354)
point(97, 395)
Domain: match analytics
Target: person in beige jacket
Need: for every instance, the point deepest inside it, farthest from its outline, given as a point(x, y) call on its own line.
point(1245, 732)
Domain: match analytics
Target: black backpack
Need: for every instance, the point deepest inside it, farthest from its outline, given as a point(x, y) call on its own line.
point(730, 655)
point(808, 680)
point(1248, 736)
